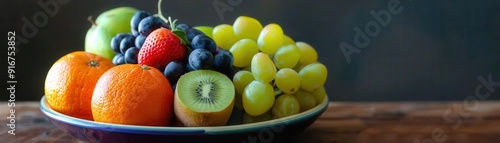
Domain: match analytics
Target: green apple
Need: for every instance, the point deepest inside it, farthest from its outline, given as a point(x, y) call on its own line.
point(105, 27)
point(207, 30)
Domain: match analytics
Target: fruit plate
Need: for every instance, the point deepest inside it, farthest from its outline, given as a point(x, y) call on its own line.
point(276, 130)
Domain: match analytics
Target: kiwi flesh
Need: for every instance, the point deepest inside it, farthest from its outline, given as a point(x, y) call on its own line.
point(204, 98)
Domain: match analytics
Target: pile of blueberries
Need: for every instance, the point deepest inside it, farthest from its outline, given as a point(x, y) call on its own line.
point(203, 52)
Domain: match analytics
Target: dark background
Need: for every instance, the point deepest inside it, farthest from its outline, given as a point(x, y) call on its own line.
point(431, 50)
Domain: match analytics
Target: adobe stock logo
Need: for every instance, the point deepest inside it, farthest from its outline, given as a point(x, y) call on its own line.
point(223, 7)
point(39, 19)
point(372, 29)
point(456, 114)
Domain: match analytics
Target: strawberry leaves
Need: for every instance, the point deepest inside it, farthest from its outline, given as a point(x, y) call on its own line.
point(179, 32)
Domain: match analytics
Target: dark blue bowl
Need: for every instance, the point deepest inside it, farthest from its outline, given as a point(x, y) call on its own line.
point(276, 130)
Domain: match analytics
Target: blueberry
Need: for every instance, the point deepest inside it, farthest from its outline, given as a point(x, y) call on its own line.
point(136, 19)
point(191, 33)
point(135, 33)
point(202, 41)
point(174, 86)
point(183, 26)
point(173, 71)
point(127, 42)
point(139, 41)
point(118, 59)
point(223, 61)
point(149, 24)
point(188, 67)
point(131, 55)
point(115, 41)
point(200, 59)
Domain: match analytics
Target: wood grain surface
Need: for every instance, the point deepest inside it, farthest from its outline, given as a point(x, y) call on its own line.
point(359, 122)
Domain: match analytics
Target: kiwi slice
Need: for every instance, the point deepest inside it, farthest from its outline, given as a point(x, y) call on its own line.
point(204, 98)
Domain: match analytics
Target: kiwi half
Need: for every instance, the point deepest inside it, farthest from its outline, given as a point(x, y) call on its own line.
point(204, 98)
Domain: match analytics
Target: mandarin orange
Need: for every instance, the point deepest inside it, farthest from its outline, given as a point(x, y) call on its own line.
point(133, 94)
point(71, 80)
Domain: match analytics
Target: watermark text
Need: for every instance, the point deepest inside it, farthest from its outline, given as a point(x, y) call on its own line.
point(39, 19)
point(223, 7)
point(11, 81)
point(372, 29)
point(458, 112)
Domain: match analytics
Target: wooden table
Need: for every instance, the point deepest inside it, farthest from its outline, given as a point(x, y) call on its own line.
point(361, 122)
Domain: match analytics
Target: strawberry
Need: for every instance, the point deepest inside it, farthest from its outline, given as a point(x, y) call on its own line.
point(163, 46)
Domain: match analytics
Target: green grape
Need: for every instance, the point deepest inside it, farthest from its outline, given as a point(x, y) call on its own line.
point(248, 68)
point(286, 105)
point(263, 68)
point(224, 36)
point(270, 38)
point(243, 52)
point(319, 94)
point(306, 100)
point(247, 27)
point(298, 66)
point(309, 53)
point(277, 91)
point(287, 40)
point(254, 119)
point(207, 30)
point(313, 76)
point(287, 56)
point(241, 79)
point(287, 80)
point(258, 98)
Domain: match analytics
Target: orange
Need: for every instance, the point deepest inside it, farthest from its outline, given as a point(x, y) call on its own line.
point(71, 80)
point(133, 94)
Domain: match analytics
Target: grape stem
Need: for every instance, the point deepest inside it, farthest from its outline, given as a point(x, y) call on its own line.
point(160, 14)
point(180, 33)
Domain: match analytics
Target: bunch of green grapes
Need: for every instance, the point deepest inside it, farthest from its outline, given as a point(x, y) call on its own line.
point(277, 75)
